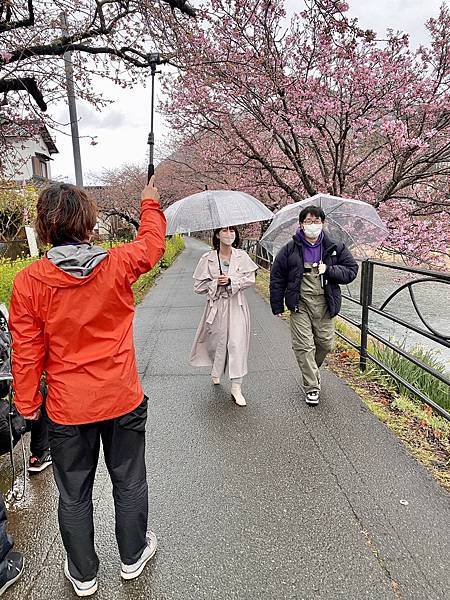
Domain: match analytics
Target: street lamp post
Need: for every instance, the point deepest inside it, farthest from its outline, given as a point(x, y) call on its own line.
point(155, 59)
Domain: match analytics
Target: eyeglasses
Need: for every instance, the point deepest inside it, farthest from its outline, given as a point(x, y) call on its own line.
point(312, 222)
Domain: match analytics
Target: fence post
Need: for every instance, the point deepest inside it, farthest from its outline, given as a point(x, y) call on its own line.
point(366, 301)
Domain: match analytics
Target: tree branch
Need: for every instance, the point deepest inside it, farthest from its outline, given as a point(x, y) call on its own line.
point(8, 25)
point(24, 83)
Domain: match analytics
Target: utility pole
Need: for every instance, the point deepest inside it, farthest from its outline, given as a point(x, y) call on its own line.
point(155, 59)
point(68, 67)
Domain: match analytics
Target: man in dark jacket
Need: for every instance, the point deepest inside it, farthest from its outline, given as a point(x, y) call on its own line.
point(306, 276)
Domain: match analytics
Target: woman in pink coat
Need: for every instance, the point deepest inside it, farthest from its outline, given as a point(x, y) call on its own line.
point(223, 334)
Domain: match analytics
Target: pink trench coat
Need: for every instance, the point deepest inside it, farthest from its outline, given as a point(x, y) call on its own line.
point(225, 325)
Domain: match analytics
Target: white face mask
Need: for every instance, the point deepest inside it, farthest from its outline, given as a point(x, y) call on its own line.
point(312, 230)
point(227, 238)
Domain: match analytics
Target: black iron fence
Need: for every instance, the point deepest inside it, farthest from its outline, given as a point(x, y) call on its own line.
point(368, 309)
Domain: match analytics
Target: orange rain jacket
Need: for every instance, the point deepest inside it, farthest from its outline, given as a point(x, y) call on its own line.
point(79, 331)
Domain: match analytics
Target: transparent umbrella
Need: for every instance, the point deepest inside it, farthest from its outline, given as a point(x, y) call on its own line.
point(213, 209)
point(353, 222)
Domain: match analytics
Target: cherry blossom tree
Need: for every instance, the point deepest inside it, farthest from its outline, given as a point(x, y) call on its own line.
point(118, 193)
point(319, 105)
point(109, 39)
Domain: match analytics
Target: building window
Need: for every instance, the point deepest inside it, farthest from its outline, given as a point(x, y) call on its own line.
point(44, 169)
point(40, 167)
point(36, 164)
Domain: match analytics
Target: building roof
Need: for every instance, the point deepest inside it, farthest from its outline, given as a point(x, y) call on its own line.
point(48, 139)
point(29, 129)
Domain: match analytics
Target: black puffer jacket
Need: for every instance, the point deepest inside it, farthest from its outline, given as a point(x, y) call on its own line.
point(287, 273)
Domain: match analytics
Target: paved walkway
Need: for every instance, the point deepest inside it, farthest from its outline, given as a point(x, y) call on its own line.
point(275, 501)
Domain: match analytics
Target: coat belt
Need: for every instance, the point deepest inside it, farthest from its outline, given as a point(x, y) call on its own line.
point(213, 308)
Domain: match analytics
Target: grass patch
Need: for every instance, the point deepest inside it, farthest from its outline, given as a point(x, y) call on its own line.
point(173, 247)
point(262, 283)
point(8, 270)
point(436, 390)
point(428, 384)
point(425, 434)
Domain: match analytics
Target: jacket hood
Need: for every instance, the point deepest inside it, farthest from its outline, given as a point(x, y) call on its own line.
point(69, 265)
point(327, 243)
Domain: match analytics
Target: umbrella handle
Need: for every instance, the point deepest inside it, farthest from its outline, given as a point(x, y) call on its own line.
point(220, 266)
point(150, 171)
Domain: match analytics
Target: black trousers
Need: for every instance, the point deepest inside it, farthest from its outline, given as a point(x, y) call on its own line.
point(39, 436)
point(75, 450)
point(39, 428)
point(6, 542)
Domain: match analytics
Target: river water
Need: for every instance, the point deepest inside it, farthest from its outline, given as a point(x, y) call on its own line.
point(432, 298)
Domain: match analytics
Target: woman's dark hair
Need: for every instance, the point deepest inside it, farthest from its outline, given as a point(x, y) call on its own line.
point(216, 241)
point(315, 211)
point(65, 213)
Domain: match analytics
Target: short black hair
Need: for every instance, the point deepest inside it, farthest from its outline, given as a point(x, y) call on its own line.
point(216, 241)
point(315, 211)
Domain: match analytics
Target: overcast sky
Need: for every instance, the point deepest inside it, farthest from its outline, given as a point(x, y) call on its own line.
point(123, 127)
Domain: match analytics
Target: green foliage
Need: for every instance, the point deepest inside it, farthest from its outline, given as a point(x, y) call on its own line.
point(428, 384)
point(17, 208)
point(8, 270)
point(173, 247)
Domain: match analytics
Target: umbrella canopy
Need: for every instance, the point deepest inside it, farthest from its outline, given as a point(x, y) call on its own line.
point(352, 222)
point(213, 209)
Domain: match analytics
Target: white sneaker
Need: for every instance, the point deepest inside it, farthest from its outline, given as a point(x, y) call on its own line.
point(236, 394)
point(215, 380)
point(82, 588)
point(134, 570)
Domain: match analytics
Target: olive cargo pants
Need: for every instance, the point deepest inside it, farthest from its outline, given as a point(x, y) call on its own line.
point(312, 332)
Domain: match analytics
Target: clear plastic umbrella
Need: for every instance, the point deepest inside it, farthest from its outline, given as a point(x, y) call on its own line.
point(213, 209)
point(353, 222)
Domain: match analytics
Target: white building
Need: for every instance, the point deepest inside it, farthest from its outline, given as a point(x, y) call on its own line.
point(29, 150)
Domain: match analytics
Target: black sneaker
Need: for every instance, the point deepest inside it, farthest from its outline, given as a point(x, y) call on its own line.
point(312, 397)
point(36, 464)
point(14, 570)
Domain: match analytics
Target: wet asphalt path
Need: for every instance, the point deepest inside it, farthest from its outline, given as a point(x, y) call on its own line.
point(275, 501)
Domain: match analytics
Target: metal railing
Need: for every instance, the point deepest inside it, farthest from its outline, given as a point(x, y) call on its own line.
point(367, 329)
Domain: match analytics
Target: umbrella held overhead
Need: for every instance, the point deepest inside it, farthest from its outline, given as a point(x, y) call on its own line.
point(213, 209)
point(353, 222)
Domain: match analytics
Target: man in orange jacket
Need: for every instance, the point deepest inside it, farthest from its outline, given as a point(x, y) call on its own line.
point(71, 317)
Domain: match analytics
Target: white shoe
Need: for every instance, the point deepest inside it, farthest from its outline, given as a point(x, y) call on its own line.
point(236, 394)
point(134, 570)
point(82, 588)
point(215, 380)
